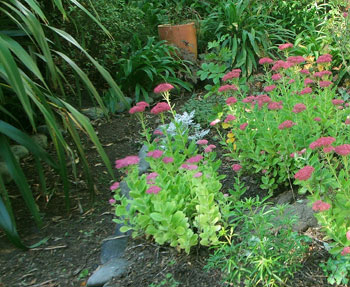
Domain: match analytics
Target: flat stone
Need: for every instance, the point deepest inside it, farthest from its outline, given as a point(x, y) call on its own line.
point(285, 197)
point(40, 139)
point(112, 269)
point(19, 151)
point(93, 113)
point(143, 164)
point(114, 246)
point(305, 215)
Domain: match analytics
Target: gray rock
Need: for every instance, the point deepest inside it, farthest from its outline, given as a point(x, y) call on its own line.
point(305, 215)
point(285, 197)
point(121, 107)
point(93, 113)
point(41, 140)
point(112, 269)
point(4, 173)
point(143, 164)
point(114, 246)
point(19, 151)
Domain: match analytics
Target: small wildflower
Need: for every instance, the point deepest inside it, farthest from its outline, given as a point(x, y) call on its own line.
point(114, 186)
point(236, 167)
point(343, 149)
point(347, 122)
point(164, 87)
point(160, 107)
point(291, 81)
point(144, 104)
point(249, 99)
point(167, 159)
point(158, 132)
point(348, 235)
point(233, 74)
point(264, 171)
point(304, 173)
point(296, 59)
point(319, 205)
point(317, 119)
point(345, 14)
point(209, 148)
point(152, 175)
point(322, 73)
point(227, 88)
point(153, 189)
point(328, 149)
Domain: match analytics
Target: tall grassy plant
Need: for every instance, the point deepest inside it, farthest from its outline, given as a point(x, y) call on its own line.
point(31, 79)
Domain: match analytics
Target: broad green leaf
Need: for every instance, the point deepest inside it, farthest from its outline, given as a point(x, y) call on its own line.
point(156, 216)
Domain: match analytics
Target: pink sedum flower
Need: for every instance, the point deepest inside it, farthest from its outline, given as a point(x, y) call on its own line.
point(321, 74)
point(233, 74)
point(285, 46)
point(325, 84)
point(291, 81)
point(345, 251)
point(296, 59)
point(154, 189)
point(137, 109)
point(328, 149)
point(152, 175)
point(308, 81)
point(164, 87)
point(202, 142)
point(236, 167)
point(160, 108)
point(198, 174)
point(189, 166)
point(195, 159)
point(276, 77)
point(305, 71)
point(142, 104)
point(343, 149)
point(326, 58)
point(227, 88)
point(337, 102)
point(242, 127)
point(275, 105)
point(112, 201)
point(347, 122)
point(155, 153)
point(306, 90)
point(114, 186)
point(269, 88)
point(317, 119)
point(298, 108)
point(322, 142)
point(209, 148)
point(214, 122)
point(167, 159)
point(304, 173)
point(286, 125)
point(231, 101)
point(348, 235)
point(158, 133)
point(265, 60)
point(229, 118)
point(320, 205)
point(129, 160)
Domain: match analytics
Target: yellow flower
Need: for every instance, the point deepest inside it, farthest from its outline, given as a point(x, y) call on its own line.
point(226, 125)
point(231, 138)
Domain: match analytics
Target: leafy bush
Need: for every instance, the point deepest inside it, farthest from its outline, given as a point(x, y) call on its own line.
point(252, 32)
point(262, 249)
point(148, 65)
point(33, 83)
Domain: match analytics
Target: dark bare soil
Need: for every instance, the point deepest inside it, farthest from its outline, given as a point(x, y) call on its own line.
point(71, 252)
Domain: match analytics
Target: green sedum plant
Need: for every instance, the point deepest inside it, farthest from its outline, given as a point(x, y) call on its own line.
point(178, 202)
point(261, 248)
